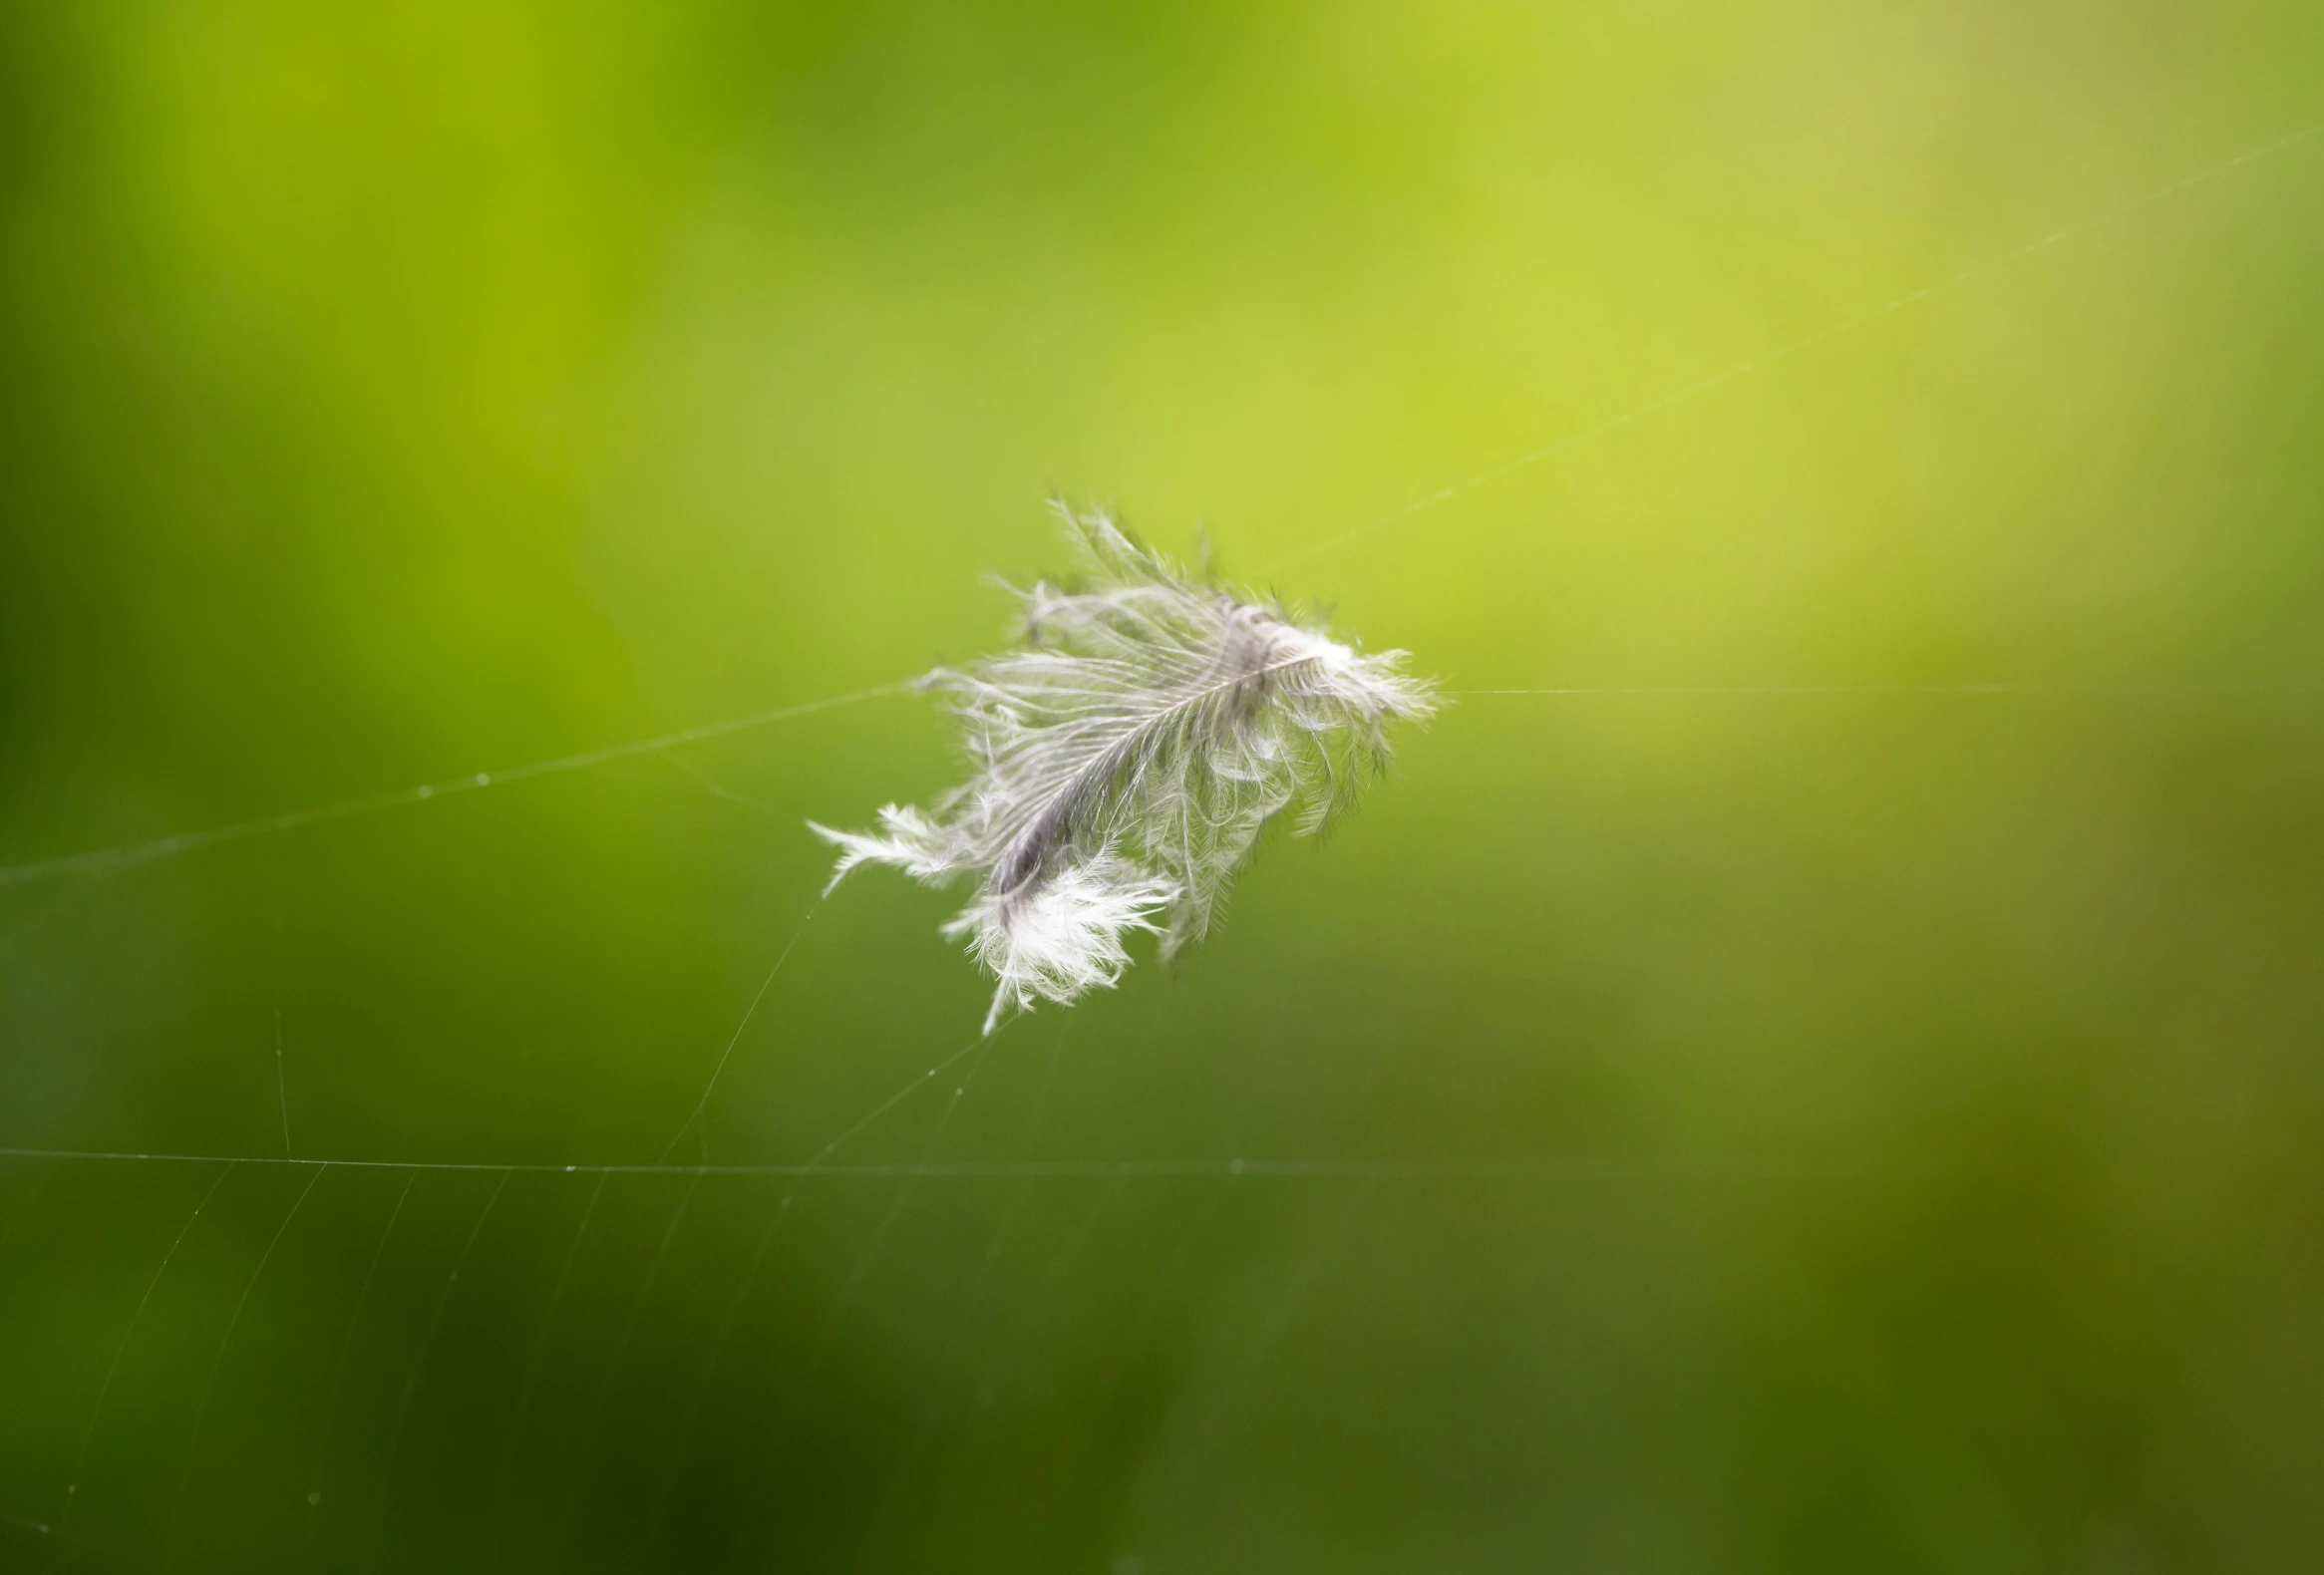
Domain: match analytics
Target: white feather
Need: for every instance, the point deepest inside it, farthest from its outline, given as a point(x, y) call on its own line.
point(1128, 756)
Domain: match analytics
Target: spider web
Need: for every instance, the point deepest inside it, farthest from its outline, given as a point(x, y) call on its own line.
point(318, 1359)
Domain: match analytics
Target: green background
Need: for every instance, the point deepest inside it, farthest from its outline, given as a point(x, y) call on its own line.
point(1788, 1133)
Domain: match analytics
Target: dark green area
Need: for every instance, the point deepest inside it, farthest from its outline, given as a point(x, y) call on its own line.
point(1808, 1131)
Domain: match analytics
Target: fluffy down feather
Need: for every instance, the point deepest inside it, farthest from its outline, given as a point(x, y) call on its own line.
point(1128, 756)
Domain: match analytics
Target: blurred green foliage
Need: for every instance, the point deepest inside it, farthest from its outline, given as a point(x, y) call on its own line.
point(1823, 1131)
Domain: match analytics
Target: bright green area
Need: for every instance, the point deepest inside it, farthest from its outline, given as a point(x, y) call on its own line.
point(1823, 1131)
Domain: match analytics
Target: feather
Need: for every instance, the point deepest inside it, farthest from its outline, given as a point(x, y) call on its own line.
point(1126, 757)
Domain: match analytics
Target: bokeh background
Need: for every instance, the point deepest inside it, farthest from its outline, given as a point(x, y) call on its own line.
point(1804, 1132)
